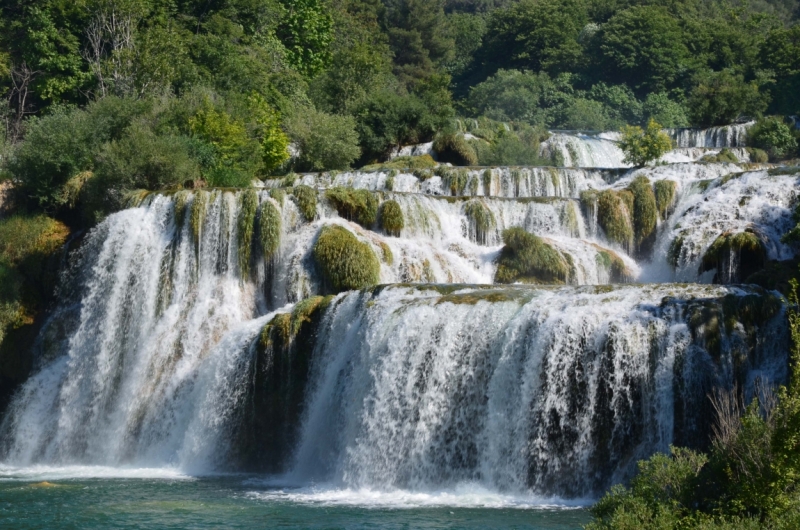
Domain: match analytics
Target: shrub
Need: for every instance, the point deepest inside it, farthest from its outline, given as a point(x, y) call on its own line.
point(360, 206)
point(723, 157)
point(659, 107)
point(325, 141)
point(526, 258)
point(772, 135)
point(391, 218)
point(644, 146)
point(344, 262)
point(719, 98)
point(759, 156)
point(306, 200)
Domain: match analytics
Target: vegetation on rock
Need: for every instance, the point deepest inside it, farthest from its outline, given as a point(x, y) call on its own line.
point(644, 146)
point(306, 200)
point(526, 258)
point(481, 221)
point(269, 229)
point(735, 256)
point(391, 218)
point(359, 205)
point(665, 192)
point(344, 262)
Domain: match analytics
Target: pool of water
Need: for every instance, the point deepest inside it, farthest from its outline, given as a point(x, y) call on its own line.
point(90, 498)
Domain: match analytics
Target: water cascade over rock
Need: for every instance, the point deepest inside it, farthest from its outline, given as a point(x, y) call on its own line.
point(201, 330)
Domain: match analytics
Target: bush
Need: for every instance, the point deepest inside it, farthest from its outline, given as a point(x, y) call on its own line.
point(644, 146)
point(525, 258)
point(454, 148)
point(719, 98)
point(659, 107)
point(391, 218)
point(360, 206)
point(613, 216)
point(344, 262)
point(325, 141)
point(774, 136)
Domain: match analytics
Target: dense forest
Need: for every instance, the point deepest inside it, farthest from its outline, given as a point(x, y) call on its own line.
point(103, 96)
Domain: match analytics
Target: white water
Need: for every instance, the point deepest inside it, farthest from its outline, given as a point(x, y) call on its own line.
point(515, 398)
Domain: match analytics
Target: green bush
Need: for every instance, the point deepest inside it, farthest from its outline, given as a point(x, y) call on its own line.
point(774, 136)
point(452, 147)
point(723, 157)
point(306, 200)
point(325, 141)
point(360, 206)
point(525, 258)
point(391, 218)
point(660, 108)
point(719, 98)
point(344, 262)
point(759, 156)
point(644, 146)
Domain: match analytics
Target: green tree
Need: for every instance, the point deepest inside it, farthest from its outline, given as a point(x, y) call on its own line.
point(780, 53)
point(719, 98)
point(774, 136)
point(325, 141)
point(274, 142)
point(644, 146)
point(306, 31)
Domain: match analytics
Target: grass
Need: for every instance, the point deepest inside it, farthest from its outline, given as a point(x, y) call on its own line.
point(481, 219)
point(269, 229)
point(345, 263)
point(665, 192)
point(403, 162)
point(306, 200)
point(645, 212)
point(248, 207)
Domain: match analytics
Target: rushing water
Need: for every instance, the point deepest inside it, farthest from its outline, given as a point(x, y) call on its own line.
point(459, 404)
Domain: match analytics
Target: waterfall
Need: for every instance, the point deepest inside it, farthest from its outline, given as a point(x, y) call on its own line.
point(583, 150)
point(191, 333)
point(725, 136)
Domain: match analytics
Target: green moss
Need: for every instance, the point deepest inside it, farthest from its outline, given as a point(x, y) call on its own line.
point(278, 194)
point(645, 213)
point(269, 229)
point(758, 156)
point(776, 275)
point(389, 185)
point(724, 156)
point(388, 257)
point(290, 179)
point(675, 250)
point(403, 162)
point(181, 200)
point(612, 262)
point(134, 199)
point(792, 170)
point(481, 219)
point(569, 218)
point(360, 206)
point(454, 148)
point(391, 218)
point(345, 262)
point(198, 215)
point(490, 296)
point(423, 174)
point(665, 191)
point(526, 258)
point(306, 200)
point(614, 218)
point(487, 182)
point(456, 180)
point(748, 248)
point(248, 207)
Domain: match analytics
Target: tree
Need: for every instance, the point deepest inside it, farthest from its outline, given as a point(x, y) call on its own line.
point(325, 141)
point(644, 146)
point(772, 135)
point(305, 30)
point(719, 98)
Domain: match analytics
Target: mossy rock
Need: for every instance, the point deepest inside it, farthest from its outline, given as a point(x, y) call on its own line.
point(198, 215)
point(248, 208)
point(723, 157)
point(391, 218)
point(360, 206)
point(735, 256)
point(345, 263)
point(614, 218)
point(455, 149)
point(269, 229)
point(645, 214)
point(403, 162)
point(665, 191)
point(758, 156)
point(278, 195)
point(526, 258)
point(675, 250)
point(618, 272)
point(306, 200)
point(481, 219)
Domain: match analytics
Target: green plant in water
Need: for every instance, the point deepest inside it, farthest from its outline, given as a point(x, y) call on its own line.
point(389, 185)
point(403, 162)
point(610, 260)
point(644, 146)
point(306, 200)
point(345, 262)
point(614, 217)
point(360, 206)
point(278, 194)
point(750, 252)
point(481, 219)
point(248, 207)
point(181, 201)
point(645, 212)
point(457, 181)
point(198, 215)
point(665, 191)
point(487, 182)
point(269, 229)
point(391, 218)
point(526, 258)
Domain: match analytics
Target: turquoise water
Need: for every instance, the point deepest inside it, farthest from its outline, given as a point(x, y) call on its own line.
point(48, 498)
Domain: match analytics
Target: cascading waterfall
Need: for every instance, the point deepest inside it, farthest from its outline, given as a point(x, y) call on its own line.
point(191, 335)
point(725, 136)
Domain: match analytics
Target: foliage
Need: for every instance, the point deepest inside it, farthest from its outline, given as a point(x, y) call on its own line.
point(774, 136)
point(452, 147)
point(526, 258)
point(665, 192)
point(481, 220)
point(269, 229)
point(360, 205)
point(719, 98)
point(404, 162)
point(645, 211)
point(306, 31)
point(644, 146)
point(274, 142)
point(306, 200)
point(390, 218)
point(325, 141)
point(613, 215)
point(345, 263)
point(248, 208)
